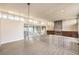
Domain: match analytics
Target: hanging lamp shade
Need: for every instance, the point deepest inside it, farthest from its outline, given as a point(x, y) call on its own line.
point(28, 3)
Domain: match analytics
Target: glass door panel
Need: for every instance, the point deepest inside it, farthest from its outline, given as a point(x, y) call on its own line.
point(33, 32)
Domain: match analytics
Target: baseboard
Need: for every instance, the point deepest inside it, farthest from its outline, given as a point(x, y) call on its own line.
point(10, 41)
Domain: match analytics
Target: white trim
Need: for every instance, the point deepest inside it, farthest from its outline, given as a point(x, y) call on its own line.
point(11, 41)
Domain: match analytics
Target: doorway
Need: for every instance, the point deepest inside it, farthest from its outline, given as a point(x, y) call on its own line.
point(33, 32)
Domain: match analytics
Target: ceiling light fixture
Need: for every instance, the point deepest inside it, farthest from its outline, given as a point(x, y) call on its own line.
point(28, 10)
point(28, 18)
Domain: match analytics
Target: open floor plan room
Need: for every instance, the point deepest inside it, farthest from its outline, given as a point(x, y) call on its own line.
point(39, 28)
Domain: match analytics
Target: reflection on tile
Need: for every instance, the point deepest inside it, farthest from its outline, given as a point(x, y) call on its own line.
point(47, 45)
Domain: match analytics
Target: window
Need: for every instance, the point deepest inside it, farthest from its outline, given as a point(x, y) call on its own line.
point(17, 18)
point(4, 16)
point(22, 19)
point(35, 22)
point(11, 17)
point(30, 20)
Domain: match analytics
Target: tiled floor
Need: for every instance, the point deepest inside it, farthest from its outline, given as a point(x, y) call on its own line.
point(35, 47)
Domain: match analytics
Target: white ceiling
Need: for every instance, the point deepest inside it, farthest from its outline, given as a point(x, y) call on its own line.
point(46, 11)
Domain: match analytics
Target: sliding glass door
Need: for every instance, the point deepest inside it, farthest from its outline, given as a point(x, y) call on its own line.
point(33, 32)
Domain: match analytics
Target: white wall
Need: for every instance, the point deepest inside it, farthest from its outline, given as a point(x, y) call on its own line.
point(0, 32)
point(11, 30)
point(50, 26)
point(69, 25)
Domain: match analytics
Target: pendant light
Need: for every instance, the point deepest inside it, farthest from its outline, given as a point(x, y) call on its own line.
point(28, 11)
point(28, 18)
